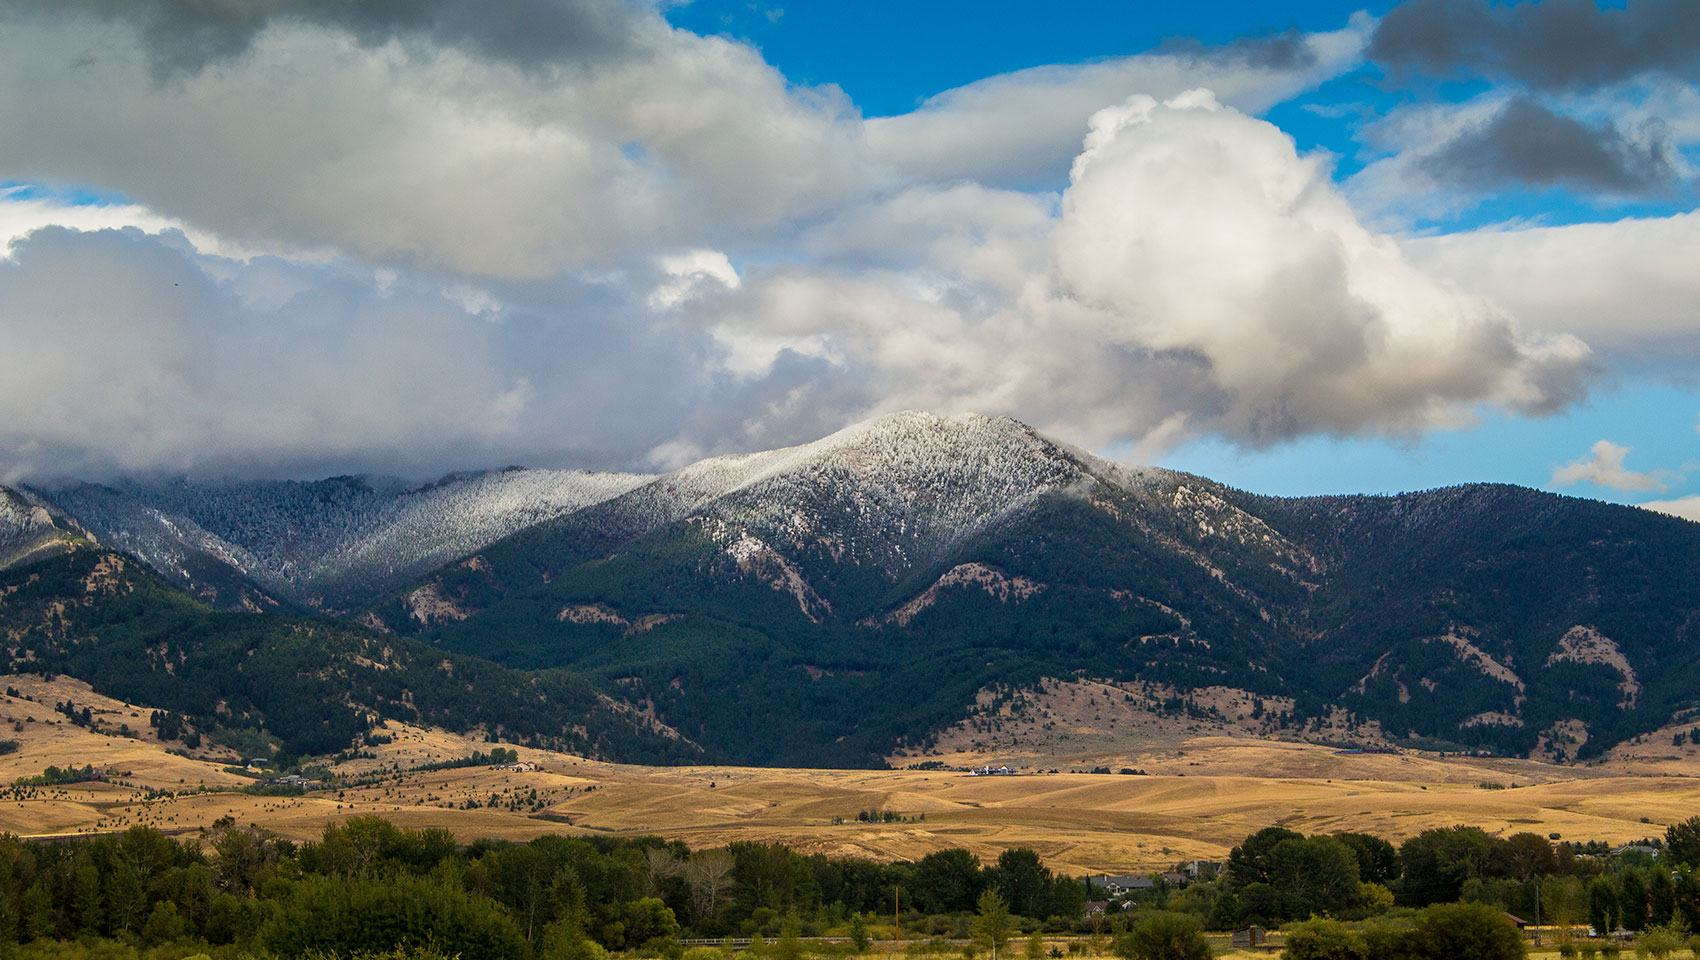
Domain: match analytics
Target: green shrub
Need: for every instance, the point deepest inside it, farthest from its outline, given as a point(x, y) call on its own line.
point(329, 914)
point(1323, 940)
point(1658, 943)
point(1162, 936)
point(1450, 931)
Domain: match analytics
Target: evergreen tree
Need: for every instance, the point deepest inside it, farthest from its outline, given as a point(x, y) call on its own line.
point(1602, 906)
point(1661, 897)
point(1632, 899)
point(125, 900)
point(88, 909)
point(37, 909)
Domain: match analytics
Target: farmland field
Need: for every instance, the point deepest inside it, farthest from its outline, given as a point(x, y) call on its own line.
point(1198, 797)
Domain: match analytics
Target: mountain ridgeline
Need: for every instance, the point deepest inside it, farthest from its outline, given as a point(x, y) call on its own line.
point(832, 603)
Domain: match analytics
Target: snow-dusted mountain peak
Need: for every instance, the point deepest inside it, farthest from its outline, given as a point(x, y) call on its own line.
point(332, 543)
point(895, 490)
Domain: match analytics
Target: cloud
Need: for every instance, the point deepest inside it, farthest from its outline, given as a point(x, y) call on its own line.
point(1688, 508)
point(426, 155)
point(189, 35)
point(128, 351)
point(1430, 163)
point(1527, 143)
point(688, 275)
point(1200, 276)
point(1022, 128)
point(1192, 229)
point(1604, 468)
point(1557, 45)
point(1627, 287)
point(395, 248)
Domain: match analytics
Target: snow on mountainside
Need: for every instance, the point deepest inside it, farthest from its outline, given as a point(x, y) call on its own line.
point(898, 490)
point(334, 543)
point(28, 530)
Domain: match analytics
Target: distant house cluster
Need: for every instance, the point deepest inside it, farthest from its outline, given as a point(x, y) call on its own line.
point(990, 771)
point(1118, 889)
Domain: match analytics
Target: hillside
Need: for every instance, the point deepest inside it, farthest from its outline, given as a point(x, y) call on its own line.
point(299, 686)
point(761, 604)
point(1197, 800)
point(965, 584)
point(29, 531)
point(331, 545)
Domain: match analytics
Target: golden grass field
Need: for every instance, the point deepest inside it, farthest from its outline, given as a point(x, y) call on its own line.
point(1202, 796)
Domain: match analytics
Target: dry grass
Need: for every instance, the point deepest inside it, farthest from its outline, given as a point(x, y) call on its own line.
point(1205, 794)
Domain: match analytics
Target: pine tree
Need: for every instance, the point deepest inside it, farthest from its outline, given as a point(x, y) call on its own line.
point(38, 920)
point(88, 907)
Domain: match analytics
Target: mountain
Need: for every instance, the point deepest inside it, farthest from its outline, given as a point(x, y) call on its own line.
point(833, 601)
point(30, 531)
point(332, 545)
point(296, 684)
point(838, 601)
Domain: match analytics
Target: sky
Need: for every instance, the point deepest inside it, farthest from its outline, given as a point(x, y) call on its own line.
point(1312, 247)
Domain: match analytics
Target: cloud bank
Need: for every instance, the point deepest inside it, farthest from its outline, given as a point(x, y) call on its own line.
point(403, 237)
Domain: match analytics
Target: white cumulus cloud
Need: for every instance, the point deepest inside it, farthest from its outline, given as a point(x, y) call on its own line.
point(1688, 508)
point(1604, 467)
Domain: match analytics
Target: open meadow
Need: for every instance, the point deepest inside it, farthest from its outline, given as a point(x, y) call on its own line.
point(1198, 797)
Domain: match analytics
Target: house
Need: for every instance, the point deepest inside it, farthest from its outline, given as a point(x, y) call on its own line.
point(1096, 908)
point(524, 766)
point(1247, 938)
point(1120, 885)
point(1201, 869)
point(990, 771)
point(1517, 921)
point(1173, 878)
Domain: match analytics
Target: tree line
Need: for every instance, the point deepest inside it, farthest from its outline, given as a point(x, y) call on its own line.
point(369, 886)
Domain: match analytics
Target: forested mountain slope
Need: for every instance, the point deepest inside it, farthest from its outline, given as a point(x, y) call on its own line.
point(306, 686)
point(831, 600)
point(828, 603)
point(331, 545)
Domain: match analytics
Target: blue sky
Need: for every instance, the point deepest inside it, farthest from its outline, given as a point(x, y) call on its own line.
point(1301, 247)
point(889, 57)
point(937, 46)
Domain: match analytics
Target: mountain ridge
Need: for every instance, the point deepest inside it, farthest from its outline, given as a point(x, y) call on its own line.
point(845, 600)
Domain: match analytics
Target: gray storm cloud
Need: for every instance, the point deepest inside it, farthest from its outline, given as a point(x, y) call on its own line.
point(1528, 143)
point(1557, 45)
point(186, 36)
